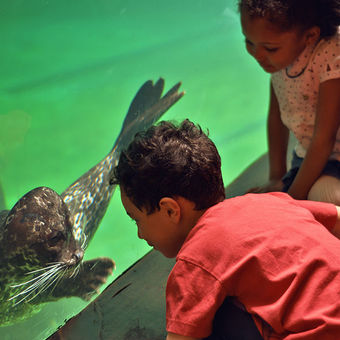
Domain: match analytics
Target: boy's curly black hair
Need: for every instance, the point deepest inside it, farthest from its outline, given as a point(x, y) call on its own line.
point(170, 160)
point(288, 14)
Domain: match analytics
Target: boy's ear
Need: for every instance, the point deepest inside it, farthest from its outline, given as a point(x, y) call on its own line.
point(171, 208)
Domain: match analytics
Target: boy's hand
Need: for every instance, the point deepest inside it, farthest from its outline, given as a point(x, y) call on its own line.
point(173, 336)
point(271, 186)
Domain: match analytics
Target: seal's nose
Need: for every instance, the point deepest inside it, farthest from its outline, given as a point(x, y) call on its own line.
point(78, 255)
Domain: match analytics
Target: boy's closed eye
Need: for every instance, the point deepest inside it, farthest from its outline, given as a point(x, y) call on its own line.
point(131, 217)
point(248, 43)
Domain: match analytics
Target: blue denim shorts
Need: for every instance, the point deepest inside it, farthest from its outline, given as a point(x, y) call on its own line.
point(332, 168)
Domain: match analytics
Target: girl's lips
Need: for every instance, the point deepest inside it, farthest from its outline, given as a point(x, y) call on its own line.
point(267, 68)
point(264, 65)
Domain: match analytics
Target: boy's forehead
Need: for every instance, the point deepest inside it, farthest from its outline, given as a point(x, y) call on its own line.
point(129, 206)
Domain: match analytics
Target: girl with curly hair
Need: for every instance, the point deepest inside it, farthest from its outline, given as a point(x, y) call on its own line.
point(298, 43)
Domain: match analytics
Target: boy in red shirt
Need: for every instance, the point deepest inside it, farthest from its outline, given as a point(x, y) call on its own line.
point(260, 259)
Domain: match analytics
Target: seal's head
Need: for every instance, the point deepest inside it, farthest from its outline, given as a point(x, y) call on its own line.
point(39, 229)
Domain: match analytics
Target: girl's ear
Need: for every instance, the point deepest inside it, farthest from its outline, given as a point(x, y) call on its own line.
point(171, 208)
point(312, 35)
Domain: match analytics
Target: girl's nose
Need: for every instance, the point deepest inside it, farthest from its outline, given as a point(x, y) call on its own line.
point(258, 54)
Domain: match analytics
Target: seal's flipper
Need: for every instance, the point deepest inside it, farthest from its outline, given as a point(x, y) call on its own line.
point(146, 108)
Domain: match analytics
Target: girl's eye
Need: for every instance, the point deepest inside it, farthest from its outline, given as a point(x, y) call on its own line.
point(268, 49)
point(273, 49)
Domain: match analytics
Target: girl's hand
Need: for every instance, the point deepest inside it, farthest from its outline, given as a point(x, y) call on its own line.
point(270, 186)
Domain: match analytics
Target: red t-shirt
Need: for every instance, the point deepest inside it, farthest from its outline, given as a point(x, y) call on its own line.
point(274, 255)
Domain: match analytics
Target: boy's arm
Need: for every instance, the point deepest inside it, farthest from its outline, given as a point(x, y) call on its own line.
point(326, 127)
point(327, 214)
point(173, 336)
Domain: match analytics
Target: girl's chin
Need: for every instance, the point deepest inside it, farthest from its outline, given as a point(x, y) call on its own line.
point(269, 68)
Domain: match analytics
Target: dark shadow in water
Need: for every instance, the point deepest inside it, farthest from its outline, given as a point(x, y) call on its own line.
point(231, 135)
point(111, 61)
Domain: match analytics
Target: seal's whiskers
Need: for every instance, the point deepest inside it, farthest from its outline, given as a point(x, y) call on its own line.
point(75, 271)
point(40, 282)
point(84, 243)
point(55, 278)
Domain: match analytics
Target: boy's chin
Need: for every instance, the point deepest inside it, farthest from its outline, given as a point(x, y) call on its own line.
point(169, 255)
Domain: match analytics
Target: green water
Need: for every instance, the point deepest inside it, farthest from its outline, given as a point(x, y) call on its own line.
point(69, 69)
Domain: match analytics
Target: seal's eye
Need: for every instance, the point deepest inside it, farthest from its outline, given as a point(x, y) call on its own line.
point(56, 238)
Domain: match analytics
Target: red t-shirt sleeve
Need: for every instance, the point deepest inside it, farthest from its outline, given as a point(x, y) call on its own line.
point(193, 296)
point(324, 213)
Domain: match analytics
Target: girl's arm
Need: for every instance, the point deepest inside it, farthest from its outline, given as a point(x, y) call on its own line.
point(326, 126)
point(278, 135)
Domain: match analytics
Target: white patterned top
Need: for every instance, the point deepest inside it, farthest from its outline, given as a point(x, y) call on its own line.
point(297, 89)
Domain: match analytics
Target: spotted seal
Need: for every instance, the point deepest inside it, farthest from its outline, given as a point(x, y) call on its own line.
point(44, 236)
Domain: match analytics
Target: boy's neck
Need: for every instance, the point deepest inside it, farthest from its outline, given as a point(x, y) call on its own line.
point(189, 215)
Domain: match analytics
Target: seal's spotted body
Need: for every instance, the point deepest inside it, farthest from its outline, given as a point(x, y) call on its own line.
point(88, 198)
point(43, 237)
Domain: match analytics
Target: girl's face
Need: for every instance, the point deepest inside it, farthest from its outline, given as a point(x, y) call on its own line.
point(273, 49)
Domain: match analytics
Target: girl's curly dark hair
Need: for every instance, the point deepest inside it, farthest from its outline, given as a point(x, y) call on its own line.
point(288, 14)
point(167, 161)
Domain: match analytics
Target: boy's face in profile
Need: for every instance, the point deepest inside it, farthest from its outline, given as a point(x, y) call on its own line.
point(160, 229)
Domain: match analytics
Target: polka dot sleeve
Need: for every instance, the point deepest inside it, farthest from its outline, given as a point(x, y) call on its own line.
point(329, 59)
